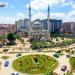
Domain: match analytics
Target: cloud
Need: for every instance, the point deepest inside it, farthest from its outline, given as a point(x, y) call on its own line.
point(10, 19)
point(7, 19)
point(57, 15)
point(20, 15)
point(4, 3)
point(39, 15)
point(43, 4)
point(38, 5)
point(65, 17)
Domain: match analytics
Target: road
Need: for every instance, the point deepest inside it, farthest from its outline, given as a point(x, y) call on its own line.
point(8, 70)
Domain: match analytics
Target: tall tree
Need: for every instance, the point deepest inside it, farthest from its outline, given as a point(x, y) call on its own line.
point(11, 37)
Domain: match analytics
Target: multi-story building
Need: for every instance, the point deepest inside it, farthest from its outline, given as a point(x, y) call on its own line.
point(55, 25)
point(69, 27)
point(7, 28)
point(22, 25)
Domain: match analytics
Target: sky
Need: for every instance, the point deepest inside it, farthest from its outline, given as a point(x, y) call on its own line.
point(18, 9)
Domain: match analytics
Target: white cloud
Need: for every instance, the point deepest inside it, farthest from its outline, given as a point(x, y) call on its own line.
point(57, 15)
point(39, 15)
point(73, 6)
point(38, 5)
point(7, 19)
point(43, 4)
point(20, 15)
point(10, 19)
point(66, 17)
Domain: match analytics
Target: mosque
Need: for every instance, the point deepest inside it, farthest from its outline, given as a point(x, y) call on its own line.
point(37, 31)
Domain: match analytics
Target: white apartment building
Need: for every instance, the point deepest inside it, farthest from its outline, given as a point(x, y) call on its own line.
point(22, 25)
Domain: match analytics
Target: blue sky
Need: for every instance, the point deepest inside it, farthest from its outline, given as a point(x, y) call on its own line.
point(18, 9)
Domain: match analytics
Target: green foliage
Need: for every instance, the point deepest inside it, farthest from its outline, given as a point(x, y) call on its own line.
point(5, 57)
point(37, 45)
point(17, 36)
point(69, 73)
point(51, 73)
point(62, 38)
point(26, 34)
point(2, 37)
point(72, 62)
point(51, 43)
point(11, 37)
point(35, 64)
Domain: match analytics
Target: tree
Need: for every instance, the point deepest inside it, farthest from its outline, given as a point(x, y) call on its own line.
point(3, 39)
point(11, 37)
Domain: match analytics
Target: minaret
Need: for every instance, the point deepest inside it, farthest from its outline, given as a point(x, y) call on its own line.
point(48, 19)
point(30, 16)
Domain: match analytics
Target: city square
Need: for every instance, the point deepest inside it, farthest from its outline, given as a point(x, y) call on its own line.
point(62, 54)
point(37, 42)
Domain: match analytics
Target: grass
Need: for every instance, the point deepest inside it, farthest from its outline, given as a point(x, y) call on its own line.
point(53, 43)
point(35, 64)
point(72, 63)
point(1, 52)
point(5, 57)
point(16, 52)
point(69, 73)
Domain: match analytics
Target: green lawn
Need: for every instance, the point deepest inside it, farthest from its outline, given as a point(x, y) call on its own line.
point(5, 57)
point(54, 42)
point(72, 62)
point(35, 64)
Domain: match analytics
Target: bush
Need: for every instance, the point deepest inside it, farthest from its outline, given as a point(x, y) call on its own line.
point(72, 62)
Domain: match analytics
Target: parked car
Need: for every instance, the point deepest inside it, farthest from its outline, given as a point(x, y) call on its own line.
point(55, 55)
point(19, 54)
point(6, 63)
point(14, 73)
point(17, 73)
point(68, 56)
point(64, 68)
point(58, 51)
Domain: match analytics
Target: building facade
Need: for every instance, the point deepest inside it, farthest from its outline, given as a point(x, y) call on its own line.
point(22, 25)
point(69, 27)
point(38, 33)
point(7, 28)
point(55, 25)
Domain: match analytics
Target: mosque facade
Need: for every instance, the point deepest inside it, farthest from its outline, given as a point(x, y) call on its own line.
point(37, 31)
